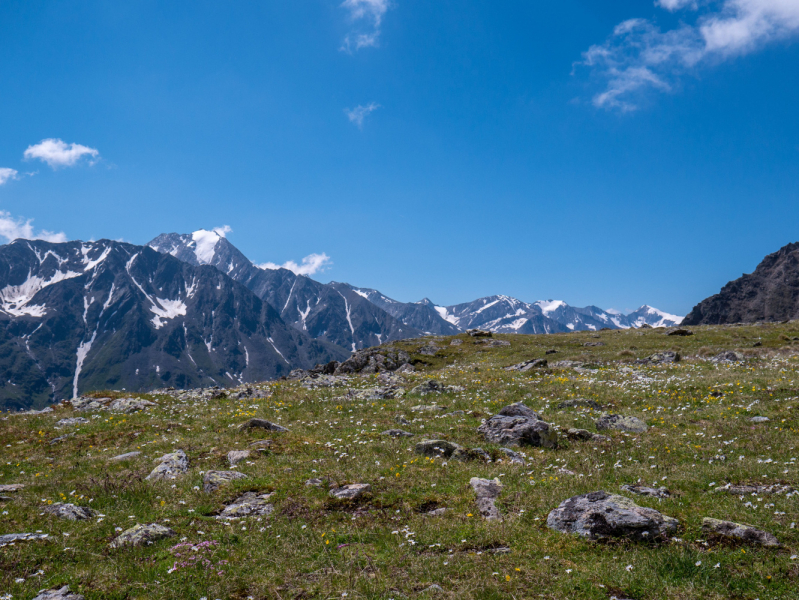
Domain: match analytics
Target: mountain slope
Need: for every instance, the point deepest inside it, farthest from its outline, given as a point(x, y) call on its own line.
point(331, 312)
point(770, 293)
point(80, 316)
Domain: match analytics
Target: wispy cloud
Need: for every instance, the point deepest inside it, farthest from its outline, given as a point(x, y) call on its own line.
point(7, 175)
point(359, 113)
point(313, 263)
point(367, 15)
point(58, 153)
point(222, 231)
point(21, 228)
point(639, 56)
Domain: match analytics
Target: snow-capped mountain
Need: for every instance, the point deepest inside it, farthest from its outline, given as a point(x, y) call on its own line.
point(334, 312)
point(84, 316)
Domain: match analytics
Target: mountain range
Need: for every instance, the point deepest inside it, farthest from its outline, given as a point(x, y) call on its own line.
point(190, 310)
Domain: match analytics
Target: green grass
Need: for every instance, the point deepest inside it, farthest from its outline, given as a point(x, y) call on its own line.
point(313, 547)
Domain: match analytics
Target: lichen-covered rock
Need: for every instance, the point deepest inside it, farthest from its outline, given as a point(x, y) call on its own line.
point(621, 423)
point(71, 422)
point(69, 511)
point(760, 490)
point(396, 433)
point(11, 487)
point(518, 409)
point(262, 424)
point(12, 538)
point(728, 356)
point(745, 533)
point(470, 454)
point(171, 466)
point(374, 360)
point(234, 457)
point(487, 491)
point(642, 490)
point(250, 504)
point(436, 448)
point(351, 491)
point(533, 363)
point(518, 431)
point(602, 515)
point(514, 457)
point(129, 405)
point(213, 480)
point(59, 594)
point(580, 403)
point(759, 419)
point(139, 535)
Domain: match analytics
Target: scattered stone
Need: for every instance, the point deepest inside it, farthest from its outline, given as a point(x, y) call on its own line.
point(436, 448)
point(759, 419)
point(129, 405)
point(643, 490)
point(455, 413)
point(660, 358)
point(760, 490)
point(262, 424)
point(351, 491)
point(517, 425)
point(580, 403)
point(533, 363)
point(680, 332)
point(61, 438)
point(602, 515)
point(374, 360)
point(261, 444)
point(470, 454)
point(69, 511)
point(479, 333)
point(11, 487)
point(213, 480)
point(429, 350)
point(431, 386)
point(234, 457)
point(438, 512)
point(138, 535)
point(84, 404)
point(428, 408)
point(314, 482)
point(567, 364)
point(551, 351)
point(456, 342)
point(395, 433)
point(171, 465)
point(72, 421)
point(728, 356)
point(745, 533)
point(433, 589)
point(493, 343)
point(621, 423)
point(593, 344)
point(33, 413)
point(401, 420)
point(487, 491)
point(12, 538)
point(582, 435)
point(126, 456)
point(250, 504)
point(500, 550)
point(514, 457)
point(60, 594)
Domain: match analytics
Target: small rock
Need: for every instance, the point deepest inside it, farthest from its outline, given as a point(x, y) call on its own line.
point(250, 504)
point(759, 419)
point(456, 342)
point(129, 405)
point(739, 531)
point(621, 423)
point(428, 408)
point(126, 456)
point(262, 424)
point(69, 511)
point(478, 333)
point(728, 357)
point(171, 465)
point(72, 421)
point(493, 343)
point(518, 409)
point(395, 433)
point(60, 594)
point(642, 490)
point(438, 512)
point(469, 454)
point(534, 363)
point(436, 448)
point(429, 350)
point(401, 420)
point(584, 435)
point(487, 491)
point(760, 490)
point(593, 344)
point(138, 535)
point(234, 457)
point(11, 487)
point(44, 411)
point(661, 358)
point(551, 351)
point(433, 589)
point(580, 403)
point(11, 538)
point(517, 425)
point(680, 332)
point(213, 480)
point(351, 491)
point(314, 482)
point(84, 404)
point(431, 386)
point(603, 515)
point(260, 444)
point(61, 438)
point(514, 457)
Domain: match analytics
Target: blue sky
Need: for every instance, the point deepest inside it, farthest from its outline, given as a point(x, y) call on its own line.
point(613, 153)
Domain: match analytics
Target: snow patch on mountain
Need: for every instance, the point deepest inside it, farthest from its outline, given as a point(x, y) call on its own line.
point(548, 306)
point(14, 299)
point(205, 245)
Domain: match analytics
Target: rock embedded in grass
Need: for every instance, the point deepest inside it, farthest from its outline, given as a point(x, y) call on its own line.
point(12, 538)
point(59, 594)
point(739, 531)
point(262, 424)
point(139, 535)
point(660, 358)
point(621, 423)
point(487, 491)
point(234, 457)
point(72, 421)
point(518, 425)
point(585, 435)
point(351, 491)
point(395, 433)
point(728, 356)
point(129, 405)
point(514, 457)
point(642, 490)
point(70, 511)
point(470, 454)
point(759, 419)
point(579, 403)
point(213, 480)
point(603, 515)
point(431, 386)
point(436, 448)
point(11, 487)
point(533, 363)
point(250, 504)
point(760, 490)
point(126, 456)
point(171, 466)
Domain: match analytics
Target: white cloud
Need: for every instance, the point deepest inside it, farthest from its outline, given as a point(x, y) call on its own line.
point(369, 11)
point(313, 263)
point(222, 231)
point(7, 175)
point(359, 113)
point(12, 229)
point(639, 56)
point(58, 153)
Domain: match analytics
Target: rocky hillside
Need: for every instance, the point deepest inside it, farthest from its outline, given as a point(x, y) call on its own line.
point(83, 316)
point(627, 463)
point(771, 293)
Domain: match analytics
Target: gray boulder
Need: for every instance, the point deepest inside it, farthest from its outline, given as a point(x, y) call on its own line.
point(171, 466)
point(213, 480)
point(759, 419)
point(602, 515)
point(661, 358)
point(374, 360)
point(71, 422)
point(760, 490)
point(579, 403)
point(621, 423)
point(234, 457)
point(262, 424)
point(745, 533)
point(395, 433)
point(351, 491)
point(129, 405)
point(436, 448)
point(250, 504)
point(487, 491)
point(12, 538)
point(139, 535)
point(84, 404)
point(59, 594)
point(514, 457)
point(470, 454)
point(429, 350)
point(11, 487)
point(642, 490)
point(428, 408)
point(518, 431)
point(585, 435)
point(479, 333)
point(431, 386)
point(69, 511)
point(533, 363)
point(728, 356)
point(518, 409)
